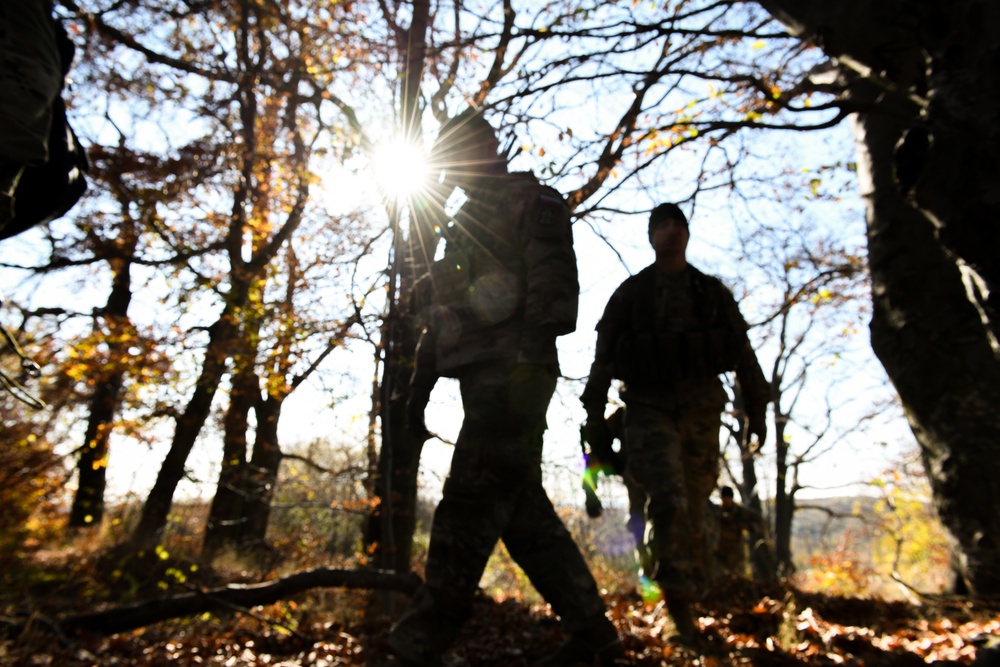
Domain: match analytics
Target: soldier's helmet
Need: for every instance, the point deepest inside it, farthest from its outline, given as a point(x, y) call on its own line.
point(459, 148)
point(470, 126)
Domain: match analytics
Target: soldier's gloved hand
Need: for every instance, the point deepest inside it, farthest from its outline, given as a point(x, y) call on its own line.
point(589, 485)
point(593, 504)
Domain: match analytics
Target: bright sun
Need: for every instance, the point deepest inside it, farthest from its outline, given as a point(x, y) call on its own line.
point(400, 168)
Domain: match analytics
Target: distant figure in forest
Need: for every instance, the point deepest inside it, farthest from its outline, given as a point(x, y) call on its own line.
point(505, 288)
point(735, 521)
point(667, 333)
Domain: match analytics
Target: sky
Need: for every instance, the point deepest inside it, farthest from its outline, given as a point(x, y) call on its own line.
point(607, 253)
point(713, 248)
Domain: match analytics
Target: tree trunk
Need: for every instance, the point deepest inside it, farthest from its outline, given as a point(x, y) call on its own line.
point(930, 72)
point(784, 501)
point(397, 483)
point(88, 502)
point(399, 458)
point(931, 339)
point(391, 526)
point(153, 518)
point(761, 554)
point(227, 514)
point(263, 476)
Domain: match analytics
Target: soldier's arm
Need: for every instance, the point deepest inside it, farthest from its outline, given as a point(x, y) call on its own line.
point(755, 387)
point(609, 329)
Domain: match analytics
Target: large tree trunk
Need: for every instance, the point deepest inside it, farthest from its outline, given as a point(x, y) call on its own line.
point(931, 339)
point(927, 147)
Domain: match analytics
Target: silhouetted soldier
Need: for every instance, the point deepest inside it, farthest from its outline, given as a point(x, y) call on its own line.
point(668, 333)
point(505, 288)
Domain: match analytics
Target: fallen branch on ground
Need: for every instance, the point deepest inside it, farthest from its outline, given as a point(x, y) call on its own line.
point(140, 614)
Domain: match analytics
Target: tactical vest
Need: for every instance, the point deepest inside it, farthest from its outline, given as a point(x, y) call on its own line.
point(645, 358)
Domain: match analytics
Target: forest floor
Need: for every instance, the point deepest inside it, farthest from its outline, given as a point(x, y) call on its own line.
point(739, 623)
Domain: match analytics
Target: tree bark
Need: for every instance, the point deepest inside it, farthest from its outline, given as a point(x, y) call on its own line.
point(390, 529)
point(91, 467)
point(153, 518)
point(227, 514)
point(263, 478)
point(933, 344)
point(230, 512)
point(88, 502)
point(761, 553)
point(928, 73)
point(784, 500)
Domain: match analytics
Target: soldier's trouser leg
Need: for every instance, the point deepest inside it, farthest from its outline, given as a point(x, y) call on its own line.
point(636, 525)
point(655, 467)
point(539, 542)
point(698, 430)
point(497, 456)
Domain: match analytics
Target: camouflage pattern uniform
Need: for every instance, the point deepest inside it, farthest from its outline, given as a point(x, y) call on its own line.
point(668, 338)
point(731, 547)
point(504, 290)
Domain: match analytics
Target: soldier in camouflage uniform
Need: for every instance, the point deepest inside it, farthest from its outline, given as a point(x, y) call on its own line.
point(733, 521)
point(668, 333)
point(505, 288)
point(31, 75)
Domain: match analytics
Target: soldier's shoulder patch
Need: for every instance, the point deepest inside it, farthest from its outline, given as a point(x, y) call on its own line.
point(549, 210)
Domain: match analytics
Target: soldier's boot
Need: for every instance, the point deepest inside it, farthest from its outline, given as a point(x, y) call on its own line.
point(685, 632)
point(421, 636)
point(597, 644)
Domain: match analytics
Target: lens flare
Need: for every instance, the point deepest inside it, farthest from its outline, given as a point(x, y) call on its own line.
point(400, 168)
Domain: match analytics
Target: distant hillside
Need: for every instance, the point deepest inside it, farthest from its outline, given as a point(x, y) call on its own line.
point(821, 524)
